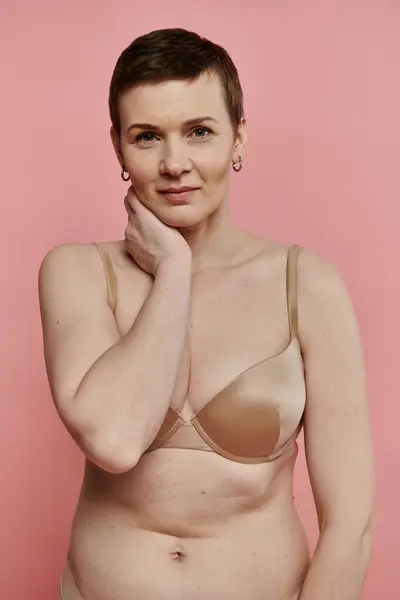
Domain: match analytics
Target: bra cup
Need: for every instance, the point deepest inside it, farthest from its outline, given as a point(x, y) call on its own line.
point(252, 418)
point(242, 420)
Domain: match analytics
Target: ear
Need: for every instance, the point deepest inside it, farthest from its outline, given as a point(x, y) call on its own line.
point(116, 142)
point(240, 141)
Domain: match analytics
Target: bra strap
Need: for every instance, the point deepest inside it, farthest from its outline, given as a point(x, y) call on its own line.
point(291, 289)
point(110, 277)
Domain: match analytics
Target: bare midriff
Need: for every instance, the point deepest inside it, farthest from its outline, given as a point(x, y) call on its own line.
point(189, 525)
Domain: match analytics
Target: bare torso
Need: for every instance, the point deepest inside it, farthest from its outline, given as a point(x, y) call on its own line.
point(186, 524)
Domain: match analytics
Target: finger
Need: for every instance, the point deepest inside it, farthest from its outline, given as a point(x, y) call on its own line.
point(128, 208)
point(137, 206)
point(131, 195)
point(130, 233)
point(127, 245)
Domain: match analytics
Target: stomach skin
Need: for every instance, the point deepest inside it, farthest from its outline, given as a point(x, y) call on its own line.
point(189, 525)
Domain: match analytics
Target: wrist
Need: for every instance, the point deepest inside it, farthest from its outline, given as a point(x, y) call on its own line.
point(180, 265)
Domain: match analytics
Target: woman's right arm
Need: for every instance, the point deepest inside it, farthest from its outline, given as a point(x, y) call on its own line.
point(111, 392)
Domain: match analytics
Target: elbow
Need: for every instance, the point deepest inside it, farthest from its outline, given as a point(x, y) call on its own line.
point(111, 455)
point(115, 465)
point(368, 534)
point(355, 533)
point(366, 542)
point(103, 448)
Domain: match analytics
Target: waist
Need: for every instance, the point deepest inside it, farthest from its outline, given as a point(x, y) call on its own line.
point(259, 555)
point(188, 494)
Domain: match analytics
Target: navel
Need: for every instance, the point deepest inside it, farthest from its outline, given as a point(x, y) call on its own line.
point(178, 553)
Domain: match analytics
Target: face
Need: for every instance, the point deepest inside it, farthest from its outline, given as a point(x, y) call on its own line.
point(178, 135)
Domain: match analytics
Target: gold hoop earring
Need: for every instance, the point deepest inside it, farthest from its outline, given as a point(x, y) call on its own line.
point(238, 166)
point(123, 176)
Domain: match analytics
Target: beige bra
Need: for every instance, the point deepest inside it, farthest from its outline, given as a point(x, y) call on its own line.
point(247, 420)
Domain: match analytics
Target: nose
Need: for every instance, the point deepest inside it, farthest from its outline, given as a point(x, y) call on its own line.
point(175, 160)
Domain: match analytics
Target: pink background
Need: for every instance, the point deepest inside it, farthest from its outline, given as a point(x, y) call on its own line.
point(322, 92)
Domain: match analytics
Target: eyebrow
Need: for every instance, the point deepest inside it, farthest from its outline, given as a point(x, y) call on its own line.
point(189, 123)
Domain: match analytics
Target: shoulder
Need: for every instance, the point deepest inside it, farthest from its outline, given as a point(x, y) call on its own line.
point(67, 257)
point(70, 266)
point(81, 256)
point(80, 266)
point(319, 278)
point(316, 275)
point(324, 298)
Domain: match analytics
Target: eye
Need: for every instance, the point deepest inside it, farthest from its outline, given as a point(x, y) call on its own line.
point(201, 132)
point(145, 137)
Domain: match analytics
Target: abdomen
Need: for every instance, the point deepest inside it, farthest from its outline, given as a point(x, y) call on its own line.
point(228, 544)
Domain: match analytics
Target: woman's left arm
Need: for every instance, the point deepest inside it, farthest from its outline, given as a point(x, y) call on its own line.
point(337, 433)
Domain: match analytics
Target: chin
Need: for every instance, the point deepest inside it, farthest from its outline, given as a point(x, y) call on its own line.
point(180, 216)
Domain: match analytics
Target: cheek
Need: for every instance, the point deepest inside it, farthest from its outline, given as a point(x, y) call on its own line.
point(142, 166)
point(216, 168)
point(213, 161)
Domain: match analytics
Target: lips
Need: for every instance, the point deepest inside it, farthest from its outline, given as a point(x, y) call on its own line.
point(179, 195)
point(178, 190)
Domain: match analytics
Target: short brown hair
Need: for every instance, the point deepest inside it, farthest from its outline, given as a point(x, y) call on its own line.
point(174, 54)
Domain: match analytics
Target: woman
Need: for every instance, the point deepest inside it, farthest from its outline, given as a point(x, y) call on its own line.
point(185, 359)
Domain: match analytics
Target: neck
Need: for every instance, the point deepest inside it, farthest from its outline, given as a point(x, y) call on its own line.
point(212, 241)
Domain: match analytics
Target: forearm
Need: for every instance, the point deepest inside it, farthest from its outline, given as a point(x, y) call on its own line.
point(339, 565)
point(123, 398)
